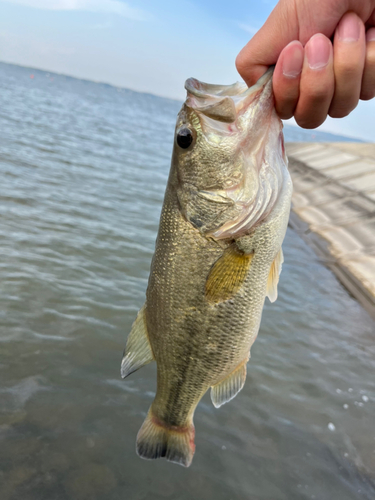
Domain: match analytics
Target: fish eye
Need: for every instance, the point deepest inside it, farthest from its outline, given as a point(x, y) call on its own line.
point(184, 138)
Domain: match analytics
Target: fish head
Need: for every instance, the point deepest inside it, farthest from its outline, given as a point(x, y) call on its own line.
point(227, 154)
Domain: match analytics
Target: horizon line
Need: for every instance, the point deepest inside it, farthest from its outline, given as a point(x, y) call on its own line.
point(100, 82)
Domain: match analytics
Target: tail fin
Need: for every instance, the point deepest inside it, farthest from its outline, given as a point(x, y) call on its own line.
point(155, 440)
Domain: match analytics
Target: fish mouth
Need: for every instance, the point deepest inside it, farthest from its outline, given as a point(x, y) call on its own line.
point(203, 90)
point(224, 102)
point(248, 114)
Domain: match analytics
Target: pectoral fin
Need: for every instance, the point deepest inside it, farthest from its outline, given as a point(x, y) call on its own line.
point(227, 275)
point(273, 277)
point(228, 388)
point(138, 349)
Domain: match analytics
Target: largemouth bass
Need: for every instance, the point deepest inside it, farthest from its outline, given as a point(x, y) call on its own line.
point(218, 255)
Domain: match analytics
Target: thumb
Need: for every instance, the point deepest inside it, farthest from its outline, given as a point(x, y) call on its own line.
point(266, 45)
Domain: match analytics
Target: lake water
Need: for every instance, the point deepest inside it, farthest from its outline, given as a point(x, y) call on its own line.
point(83, 172)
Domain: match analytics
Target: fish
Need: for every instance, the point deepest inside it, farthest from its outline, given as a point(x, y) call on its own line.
point(217, 256)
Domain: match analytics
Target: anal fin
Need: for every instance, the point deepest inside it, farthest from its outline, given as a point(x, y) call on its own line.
point(273, 277)
point(228, 388)
point(138, 349)
point(227, 275)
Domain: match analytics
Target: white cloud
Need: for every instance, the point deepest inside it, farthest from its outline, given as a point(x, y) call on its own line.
point(101, 26)
point(108, 6)
point(249, 29)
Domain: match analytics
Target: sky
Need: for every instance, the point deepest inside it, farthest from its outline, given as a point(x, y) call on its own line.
point(145, 45)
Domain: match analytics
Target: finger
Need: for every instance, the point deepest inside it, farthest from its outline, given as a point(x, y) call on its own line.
point(371, 20)
point(368, 79)
point(286, 79)
point(290, 20)
point(317, 83)
point(349, 50)
point(266, 45)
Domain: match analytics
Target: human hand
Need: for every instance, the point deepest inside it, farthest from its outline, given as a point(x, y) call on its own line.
point(315, 77)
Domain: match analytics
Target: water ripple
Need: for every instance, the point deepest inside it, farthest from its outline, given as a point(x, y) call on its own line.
point(84, 168)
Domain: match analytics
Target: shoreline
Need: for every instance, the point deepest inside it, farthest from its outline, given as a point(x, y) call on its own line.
point(333, 209)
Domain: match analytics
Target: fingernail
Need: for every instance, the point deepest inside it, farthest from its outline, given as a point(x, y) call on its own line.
point(293, 60)
point(349, 28)
point(318, 51)
point(370, 35)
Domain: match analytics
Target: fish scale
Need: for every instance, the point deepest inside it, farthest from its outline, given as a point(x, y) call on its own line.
point(205, 294)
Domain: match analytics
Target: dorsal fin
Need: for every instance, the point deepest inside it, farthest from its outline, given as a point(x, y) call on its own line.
point(138, 349)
